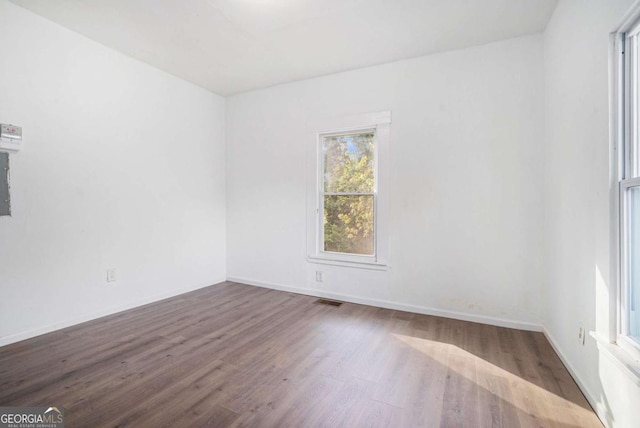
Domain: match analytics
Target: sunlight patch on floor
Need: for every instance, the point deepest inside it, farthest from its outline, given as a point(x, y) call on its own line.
point(526, 396)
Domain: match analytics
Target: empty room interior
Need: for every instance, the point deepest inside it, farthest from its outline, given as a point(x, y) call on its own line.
point(304, 213)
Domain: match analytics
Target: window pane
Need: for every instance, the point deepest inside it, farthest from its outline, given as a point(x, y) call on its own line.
point(349, 162)
point(634, 261)
point(633, 144)
point(348, 224)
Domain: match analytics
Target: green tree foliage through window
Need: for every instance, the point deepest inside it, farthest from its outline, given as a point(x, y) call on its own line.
point(348, 192)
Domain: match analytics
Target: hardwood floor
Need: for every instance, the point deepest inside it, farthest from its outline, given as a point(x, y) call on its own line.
point(233, 355)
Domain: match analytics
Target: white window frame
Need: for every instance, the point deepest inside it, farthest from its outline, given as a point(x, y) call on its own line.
point(380, 122)
point(625, 108)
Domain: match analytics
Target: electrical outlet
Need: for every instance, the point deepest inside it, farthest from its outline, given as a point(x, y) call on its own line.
point(319, 276)
point(581, 334)
point(111, 275)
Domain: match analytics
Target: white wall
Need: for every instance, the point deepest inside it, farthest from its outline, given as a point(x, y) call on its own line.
point(466, 185)
point(122, 166)
point(577, 201)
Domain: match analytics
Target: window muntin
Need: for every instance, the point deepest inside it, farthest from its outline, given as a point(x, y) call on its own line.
point(348, 192)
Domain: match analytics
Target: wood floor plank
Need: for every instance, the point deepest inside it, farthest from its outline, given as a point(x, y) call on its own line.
point(232, 355)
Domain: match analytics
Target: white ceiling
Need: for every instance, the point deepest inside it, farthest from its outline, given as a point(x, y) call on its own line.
point(231, 46)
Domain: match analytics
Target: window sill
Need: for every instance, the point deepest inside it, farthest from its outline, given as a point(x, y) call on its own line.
point(623, 359)
point(344, 263)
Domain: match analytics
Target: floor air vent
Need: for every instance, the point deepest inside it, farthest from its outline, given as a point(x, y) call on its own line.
point(328, 302)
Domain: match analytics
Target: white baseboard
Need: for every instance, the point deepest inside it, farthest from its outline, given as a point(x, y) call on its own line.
point(599, 408)
point(500, 322)
point(6, 340)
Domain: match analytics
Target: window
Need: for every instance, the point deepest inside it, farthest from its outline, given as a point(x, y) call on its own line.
point(347, 219)
point(347, 192)
point(627, 199)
